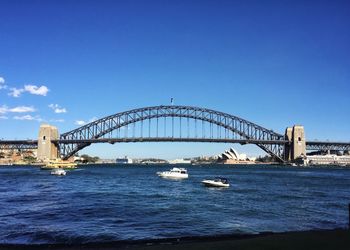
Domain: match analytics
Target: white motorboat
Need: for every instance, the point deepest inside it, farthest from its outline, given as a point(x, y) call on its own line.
point(58, 172)
point(176, 173)
point(217, 182)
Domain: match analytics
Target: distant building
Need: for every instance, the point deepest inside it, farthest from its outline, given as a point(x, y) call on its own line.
point(151, 161)
point(328, 159)
point(180, 161)
point(124, 160)
point(14, 156)
point(78, 159)
point(231, 156)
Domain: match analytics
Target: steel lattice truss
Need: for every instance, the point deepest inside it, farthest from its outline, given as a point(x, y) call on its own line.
point(18, 144)
point(325, 146)
point(232, 127)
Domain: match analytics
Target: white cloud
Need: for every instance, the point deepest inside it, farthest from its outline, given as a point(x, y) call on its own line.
point(28, 118)
point(24, 117)
point(92, 119)
point(57, 109)
point(3, 117)
point(62, 110)
point(20, 109)
point(32, 89)
point(3, 109)
point(15, 92)
point(2, 83)
point(35, 90)
point(79, 122)
point(57, 120)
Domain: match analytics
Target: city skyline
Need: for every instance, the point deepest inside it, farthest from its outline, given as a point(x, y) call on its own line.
point(275, 64)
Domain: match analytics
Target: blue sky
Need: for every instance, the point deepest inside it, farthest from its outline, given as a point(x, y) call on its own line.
point(275, 63)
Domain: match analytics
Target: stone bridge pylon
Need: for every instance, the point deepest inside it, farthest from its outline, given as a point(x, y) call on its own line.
point(47, 150)
point(297, 146)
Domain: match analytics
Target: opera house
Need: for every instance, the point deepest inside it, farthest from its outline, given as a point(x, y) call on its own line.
point(231, 156)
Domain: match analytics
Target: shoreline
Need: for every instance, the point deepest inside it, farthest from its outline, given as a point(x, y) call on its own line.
point(319, 166)
point(312, 239)
point(257, 167)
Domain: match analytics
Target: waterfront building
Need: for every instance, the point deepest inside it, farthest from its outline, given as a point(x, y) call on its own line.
point(151, 161)
point(328, 159)
point(180, 161)
point(78, 159)
point(124, 160)
point(16, 156)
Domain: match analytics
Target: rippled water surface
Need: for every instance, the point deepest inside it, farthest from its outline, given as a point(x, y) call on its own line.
point(108, 203)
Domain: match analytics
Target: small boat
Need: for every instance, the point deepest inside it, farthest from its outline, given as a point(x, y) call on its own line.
point(175, 173)
point(59, 164)
point(58, 171)
point(217, 182)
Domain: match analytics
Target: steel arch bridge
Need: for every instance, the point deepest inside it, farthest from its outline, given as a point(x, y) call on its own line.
point(171, 123)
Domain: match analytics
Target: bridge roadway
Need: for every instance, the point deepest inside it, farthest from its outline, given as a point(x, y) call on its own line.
point(169, 139)
point(310, 145)
point(18, 144)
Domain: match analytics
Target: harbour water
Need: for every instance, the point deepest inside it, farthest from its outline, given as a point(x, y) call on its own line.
point(111, 203)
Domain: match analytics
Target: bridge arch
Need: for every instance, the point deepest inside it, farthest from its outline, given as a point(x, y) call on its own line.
point(73, 141)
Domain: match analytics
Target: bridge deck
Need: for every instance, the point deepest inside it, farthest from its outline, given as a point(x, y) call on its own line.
point(174, 139)
point(310, 145)
point(171, 139)
point(18, 144)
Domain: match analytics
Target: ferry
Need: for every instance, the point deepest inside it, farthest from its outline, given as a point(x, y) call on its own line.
point(56, 164)
point(174, 173)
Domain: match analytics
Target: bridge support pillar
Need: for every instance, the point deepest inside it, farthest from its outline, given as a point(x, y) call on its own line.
point(46, 149)
point(288, 147)
point(297, 146)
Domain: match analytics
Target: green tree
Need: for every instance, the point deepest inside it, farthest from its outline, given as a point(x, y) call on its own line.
point(29, 159)
point(89, 159)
